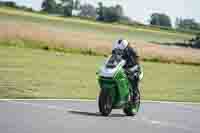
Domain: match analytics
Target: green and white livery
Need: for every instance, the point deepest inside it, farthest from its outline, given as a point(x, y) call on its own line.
point(115, 88)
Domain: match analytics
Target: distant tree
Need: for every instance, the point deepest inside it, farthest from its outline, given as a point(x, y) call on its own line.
point(160, 20)
point(8, 4)
point(119, 10)
point(177, 23)
point(187, 24)
point(14, 5)
point(88, 10)
point(100, 12)
point(109, 14)
point(59, 9)
point(76, 5)
point(49, 6)
point(68, 6)
point(113, 13)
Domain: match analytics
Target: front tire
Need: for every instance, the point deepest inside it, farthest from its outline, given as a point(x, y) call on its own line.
point(105, 103)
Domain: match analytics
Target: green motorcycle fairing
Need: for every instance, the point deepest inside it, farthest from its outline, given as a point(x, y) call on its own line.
point(115, 81)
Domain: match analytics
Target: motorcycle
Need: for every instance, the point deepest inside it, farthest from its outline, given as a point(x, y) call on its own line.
point(115, 88)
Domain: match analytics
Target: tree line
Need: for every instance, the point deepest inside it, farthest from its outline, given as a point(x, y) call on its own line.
point(112, 14)
point(68, 8)
point(14, 5)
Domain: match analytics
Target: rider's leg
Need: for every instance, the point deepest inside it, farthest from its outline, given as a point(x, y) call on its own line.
point(136, 91)
point(133, 75)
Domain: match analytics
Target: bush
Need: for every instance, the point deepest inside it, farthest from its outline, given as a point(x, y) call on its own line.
point(109, 14)
point(160, 19)
point(45, 47)
point(8, 4)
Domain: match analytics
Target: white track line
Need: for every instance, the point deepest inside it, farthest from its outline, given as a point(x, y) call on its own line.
point(168, 124)
point(169, 102)
point(53, 107)
point(88, 100)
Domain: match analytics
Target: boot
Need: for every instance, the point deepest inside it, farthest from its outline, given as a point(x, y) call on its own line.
point(135, 92)
point(135, 97)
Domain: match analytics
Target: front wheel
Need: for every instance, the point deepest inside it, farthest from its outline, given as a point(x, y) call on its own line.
point(105, 103)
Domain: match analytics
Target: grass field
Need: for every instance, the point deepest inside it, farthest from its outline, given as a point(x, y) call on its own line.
point(102, 30)
point(33, 73)
point(27, 71)
point(83, 34)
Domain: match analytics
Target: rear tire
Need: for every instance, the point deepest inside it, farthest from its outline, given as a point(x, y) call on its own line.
point(128, 111)
point(105, 103)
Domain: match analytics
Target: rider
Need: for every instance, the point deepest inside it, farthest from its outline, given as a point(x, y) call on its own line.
point(132, 65)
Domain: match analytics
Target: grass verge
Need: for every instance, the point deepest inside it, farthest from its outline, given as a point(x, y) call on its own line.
point(35, 73)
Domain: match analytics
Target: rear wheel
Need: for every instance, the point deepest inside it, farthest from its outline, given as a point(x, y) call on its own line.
point(105, 103)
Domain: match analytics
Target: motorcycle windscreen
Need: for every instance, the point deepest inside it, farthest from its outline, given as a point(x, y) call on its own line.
point(113, 61)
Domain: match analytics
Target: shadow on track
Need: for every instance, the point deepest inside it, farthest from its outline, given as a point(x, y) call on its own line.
point(94, 114)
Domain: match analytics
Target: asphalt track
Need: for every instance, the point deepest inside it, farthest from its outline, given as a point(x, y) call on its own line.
point(83, 117)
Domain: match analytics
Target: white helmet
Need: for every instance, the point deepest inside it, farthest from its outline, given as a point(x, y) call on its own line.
point(121, 44)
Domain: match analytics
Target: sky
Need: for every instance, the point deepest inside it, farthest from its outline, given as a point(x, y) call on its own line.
point(140, 10)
